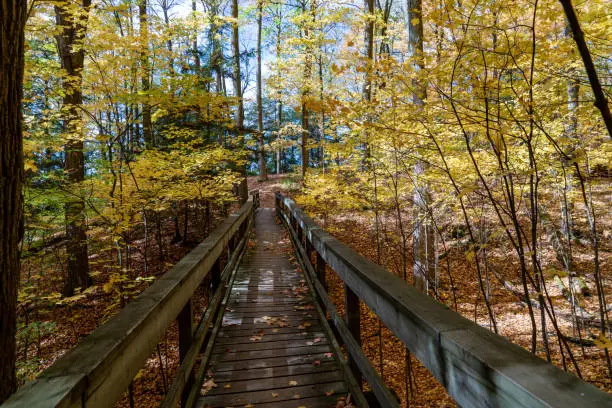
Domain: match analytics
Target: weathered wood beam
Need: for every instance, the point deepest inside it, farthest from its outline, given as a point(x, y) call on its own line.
point(99, 370)
point(477, 367)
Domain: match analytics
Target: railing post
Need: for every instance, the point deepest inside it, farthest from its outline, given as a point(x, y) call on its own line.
point(353, 322)
point(320, 269)
point(215, 277)
point(185, 328)
point(298, 229)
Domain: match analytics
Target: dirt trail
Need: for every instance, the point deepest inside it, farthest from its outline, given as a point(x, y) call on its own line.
point(267, 188)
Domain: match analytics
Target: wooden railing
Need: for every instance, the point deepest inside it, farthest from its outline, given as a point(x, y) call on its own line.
point(477, 367)
point(97, 371)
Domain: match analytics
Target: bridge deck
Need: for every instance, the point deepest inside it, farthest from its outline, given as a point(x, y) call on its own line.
point(271, 349)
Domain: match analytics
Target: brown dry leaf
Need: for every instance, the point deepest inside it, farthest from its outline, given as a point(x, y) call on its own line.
point(296, 396)
point(227, 386)
point(207, 386)
point(292, 382)
point(275, 394)
point(249, 406)
point(329, 393)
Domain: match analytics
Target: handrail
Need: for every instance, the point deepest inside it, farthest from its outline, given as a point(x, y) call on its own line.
point(477, 367)
point(98, 370)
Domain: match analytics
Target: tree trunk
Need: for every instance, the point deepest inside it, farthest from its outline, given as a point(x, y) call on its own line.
point(12, 23)
point(279, 92)
point(600, 99)
point(147, 124)
point(243, 190)
point(423, 238)
point(72, 54)
point(263, 173)
point(306, 89)
point(196, 52)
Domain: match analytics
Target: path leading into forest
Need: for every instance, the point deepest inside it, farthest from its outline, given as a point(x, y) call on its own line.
point(271, 349)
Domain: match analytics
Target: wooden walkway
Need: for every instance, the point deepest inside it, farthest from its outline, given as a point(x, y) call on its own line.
point(271, 349)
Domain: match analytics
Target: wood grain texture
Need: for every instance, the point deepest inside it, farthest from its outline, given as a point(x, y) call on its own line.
point(12, 23)
point(271, 349)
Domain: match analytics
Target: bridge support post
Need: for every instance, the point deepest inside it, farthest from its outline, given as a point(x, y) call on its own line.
point(320, 269)
point(215, 276)
point(185, 328)
point(353, 322)
point(300, 234)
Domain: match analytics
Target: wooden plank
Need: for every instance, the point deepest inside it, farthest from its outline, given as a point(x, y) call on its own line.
point(269, 396)
point(284, 370)
point(230, 331)
point(274, 337)
point(276, 382)
point(270, 362)
point(270, 345)
point(249, 355)
point(318, 402)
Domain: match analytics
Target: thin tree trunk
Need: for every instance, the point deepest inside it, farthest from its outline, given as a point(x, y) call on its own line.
point(243, 191)
point(600, 99)
point(12, 22)
point(196, 52)
point(423, 239)
point(147, 124)
point(306, 88)
point(70, 43)
point(263, 173)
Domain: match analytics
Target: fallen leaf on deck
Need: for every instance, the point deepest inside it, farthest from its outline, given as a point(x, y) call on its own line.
point(316, 363)
point(208, 385)
point(227, 386)
point(275, 394)
point(292, 382)
point(328, 355)
point(329, 393)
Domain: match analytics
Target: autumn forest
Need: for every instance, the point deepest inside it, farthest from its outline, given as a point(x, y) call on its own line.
point(462, 145)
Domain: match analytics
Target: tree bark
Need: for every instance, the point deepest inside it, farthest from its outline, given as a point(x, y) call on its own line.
point(600, 99)
point(72, 54)
point(243, 190)
point(12, 22)
point(147, 124)
point(423, 238)
point(306, 88)
point(263, 173)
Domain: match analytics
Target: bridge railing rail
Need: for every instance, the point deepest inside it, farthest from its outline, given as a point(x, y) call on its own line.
point(101, 368)
point(477, 367)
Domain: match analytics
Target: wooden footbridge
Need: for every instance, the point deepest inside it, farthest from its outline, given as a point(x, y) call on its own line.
point(271, 337)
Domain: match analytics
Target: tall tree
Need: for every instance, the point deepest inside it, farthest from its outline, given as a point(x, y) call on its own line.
point(72, 23)
point(145, 66)
point(423, 238)
point(601, 102)
point(306, 79)
point(243, 190)
point(263, 173)
point(12, 23)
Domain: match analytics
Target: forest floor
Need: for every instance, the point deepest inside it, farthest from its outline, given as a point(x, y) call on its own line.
point(511, 314)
